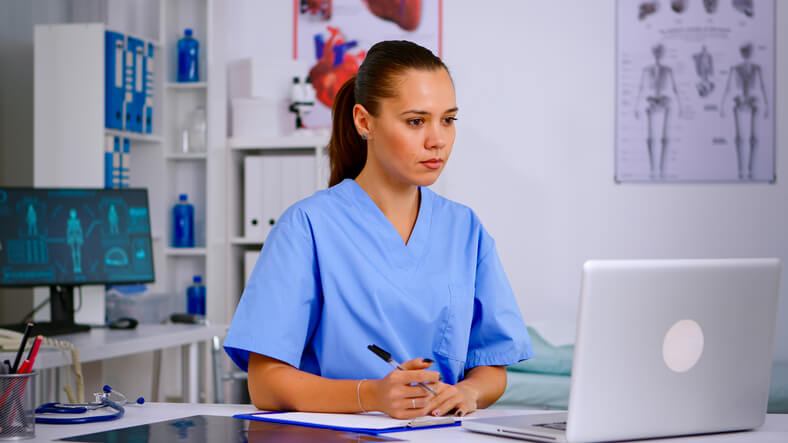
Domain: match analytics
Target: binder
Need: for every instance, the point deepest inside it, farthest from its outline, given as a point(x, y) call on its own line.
point(114, 65)
point(110, 142)
point(147, 110)
point(112, 161)
point(135, 77)
point(125, 165)
point(272, 183)
point(367, 423)
point(253, 205)
point(128, 87)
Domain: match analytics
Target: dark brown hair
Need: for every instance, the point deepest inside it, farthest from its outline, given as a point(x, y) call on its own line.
point(375, 80)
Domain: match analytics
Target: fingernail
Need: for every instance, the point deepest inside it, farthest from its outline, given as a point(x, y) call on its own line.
point(436, 412)
point(460, 414)
point(427, 360)
point(440, 377)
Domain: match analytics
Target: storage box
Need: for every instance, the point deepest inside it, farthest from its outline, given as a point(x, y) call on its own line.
point(261, 117)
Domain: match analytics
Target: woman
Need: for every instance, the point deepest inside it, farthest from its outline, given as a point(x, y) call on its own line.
point(380, 259)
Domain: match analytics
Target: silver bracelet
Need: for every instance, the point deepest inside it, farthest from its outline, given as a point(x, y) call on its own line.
point(358, 394)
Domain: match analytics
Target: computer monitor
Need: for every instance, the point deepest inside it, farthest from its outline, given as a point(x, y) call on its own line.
point(64, 238)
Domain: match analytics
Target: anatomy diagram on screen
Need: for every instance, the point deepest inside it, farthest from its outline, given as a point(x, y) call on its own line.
point(746, 81)
point(32, 221)
point(704, 67)
point(112, 217)
point(657, 81)
point(74, 239)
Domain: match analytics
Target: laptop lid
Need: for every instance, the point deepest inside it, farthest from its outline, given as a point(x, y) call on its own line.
point(672, 347)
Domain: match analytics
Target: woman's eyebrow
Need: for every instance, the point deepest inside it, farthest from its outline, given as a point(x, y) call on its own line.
point(420, 112)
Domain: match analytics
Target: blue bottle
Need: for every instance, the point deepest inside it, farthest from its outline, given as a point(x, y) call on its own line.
point(195, 297)
point(188, 49)
point(183, 223)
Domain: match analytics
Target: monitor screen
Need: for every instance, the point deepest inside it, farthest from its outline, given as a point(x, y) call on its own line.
point(74, 237)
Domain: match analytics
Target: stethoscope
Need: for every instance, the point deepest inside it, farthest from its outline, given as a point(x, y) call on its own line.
point(103, 400)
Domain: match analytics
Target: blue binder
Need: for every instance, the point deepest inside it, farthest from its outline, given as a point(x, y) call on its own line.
point(409, 425)
point(135, 50)
point(128, 87)
point(114, 64)
point(147, 110)
point(125, 165)
point(111, 160)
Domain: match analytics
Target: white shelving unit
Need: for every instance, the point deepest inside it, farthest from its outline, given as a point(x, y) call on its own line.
point(70, 134)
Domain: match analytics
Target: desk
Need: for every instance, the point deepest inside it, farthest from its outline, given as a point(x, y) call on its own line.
point(775, 430)
point(101, 344)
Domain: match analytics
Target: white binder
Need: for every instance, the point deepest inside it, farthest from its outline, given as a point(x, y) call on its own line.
point(272, 183)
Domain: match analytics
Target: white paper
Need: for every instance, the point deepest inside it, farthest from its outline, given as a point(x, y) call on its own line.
point(695, 91)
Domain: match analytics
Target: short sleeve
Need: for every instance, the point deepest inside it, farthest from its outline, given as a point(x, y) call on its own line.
point(280, 305)
point(498, 332)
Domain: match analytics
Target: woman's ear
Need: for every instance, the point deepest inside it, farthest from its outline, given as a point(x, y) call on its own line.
point(363, 121)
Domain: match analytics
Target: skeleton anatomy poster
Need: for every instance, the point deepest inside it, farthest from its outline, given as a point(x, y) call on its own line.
point(332, 36)
point(695, 88)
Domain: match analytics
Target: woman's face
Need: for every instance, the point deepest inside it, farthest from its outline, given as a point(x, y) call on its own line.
point(412, 136)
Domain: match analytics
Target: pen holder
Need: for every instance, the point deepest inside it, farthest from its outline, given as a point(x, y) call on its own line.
point(17, 410)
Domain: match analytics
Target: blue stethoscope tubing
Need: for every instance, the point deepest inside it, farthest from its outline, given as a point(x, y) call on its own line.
point(78, 408)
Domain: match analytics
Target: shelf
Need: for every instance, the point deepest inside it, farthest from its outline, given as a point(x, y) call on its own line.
point(296, 141)
point(245, 241)
point(187, 85)
point(187, 156)
point(185, 252)
point(135, 136)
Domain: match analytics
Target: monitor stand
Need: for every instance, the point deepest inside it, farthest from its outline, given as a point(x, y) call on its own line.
point(61, 308)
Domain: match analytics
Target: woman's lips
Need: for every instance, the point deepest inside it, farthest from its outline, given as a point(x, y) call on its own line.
point(433, 163)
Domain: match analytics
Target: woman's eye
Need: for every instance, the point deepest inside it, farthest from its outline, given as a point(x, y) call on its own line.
point(415, 121)
point(450, 120)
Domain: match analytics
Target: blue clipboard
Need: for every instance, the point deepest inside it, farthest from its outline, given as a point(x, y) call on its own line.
point(438, 422)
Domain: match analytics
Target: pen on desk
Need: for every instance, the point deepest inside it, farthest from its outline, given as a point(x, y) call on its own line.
point(385, 356)
point(28, 329)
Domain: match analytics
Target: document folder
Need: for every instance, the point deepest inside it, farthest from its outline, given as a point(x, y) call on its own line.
point(367, 423)
point(135, 48)
point(114, 64)
point(147, 109)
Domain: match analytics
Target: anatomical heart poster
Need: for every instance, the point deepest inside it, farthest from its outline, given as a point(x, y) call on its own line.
point(333, 36)
point(695, 91)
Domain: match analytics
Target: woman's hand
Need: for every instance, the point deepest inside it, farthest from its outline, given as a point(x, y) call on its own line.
point(457, 399)
point(394, 394)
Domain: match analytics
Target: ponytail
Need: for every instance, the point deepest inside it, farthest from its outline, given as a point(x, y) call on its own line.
point(347, 152)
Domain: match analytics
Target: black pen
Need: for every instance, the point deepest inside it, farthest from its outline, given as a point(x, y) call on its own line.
point(28, 328)
point(387, 358)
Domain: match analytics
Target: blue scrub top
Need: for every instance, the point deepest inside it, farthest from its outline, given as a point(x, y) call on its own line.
point(335, 276)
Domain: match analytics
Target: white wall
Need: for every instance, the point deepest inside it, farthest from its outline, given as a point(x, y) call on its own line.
point(535, 87)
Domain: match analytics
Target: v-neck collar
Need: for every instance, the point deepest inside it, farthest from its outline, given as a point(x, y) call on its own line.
point(419, 236)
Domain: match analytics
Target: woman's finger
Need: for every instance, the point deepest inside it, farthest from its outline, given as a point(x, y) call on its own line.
point(447, 404)
point(418, 363)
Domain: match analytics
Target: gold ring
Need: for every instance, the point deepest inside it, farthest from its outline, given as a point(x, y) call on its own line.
point(413, 401)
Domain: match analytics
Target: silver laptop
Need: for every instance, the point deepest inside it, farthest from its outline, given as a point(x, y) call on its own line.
point(663, 348)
